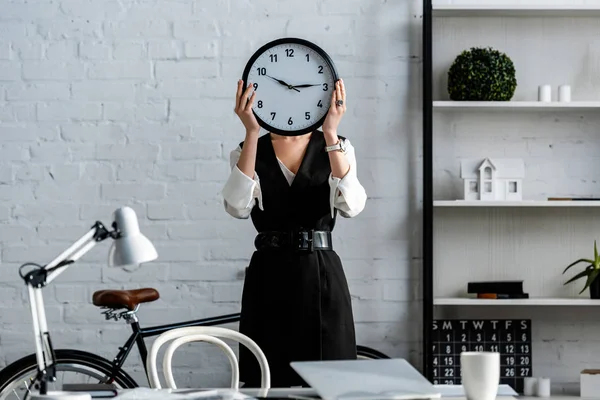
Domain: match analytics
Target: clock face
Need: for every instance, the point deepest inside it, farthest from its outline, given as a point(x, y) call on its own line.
point(293, 80)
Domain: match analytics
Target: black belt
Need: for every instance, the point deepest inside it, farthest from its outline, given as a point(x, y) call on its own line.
point(296, 240)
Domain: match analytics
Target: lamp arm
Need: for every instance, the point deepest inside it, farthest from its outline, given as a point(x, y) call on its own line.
point(41, 276)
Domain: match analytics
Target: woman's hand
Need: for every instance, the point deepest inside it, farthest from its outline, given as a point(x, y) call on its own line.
point(243, 108)
point(336, 110)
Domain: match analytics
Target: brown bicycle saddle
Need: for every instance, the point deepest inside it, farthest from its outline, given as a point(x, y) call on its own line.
point(124, 298)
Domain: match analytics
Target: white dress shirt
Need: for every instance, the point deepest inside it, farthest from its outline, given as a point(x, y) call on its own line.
point(240, 191)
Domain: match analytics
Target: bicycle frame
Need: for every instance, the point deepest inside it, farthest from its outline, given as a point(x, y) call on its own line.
point(139, 334)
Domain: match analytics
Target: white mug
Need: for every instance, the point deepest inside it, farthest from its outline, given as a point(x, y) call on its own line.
point(480, 374)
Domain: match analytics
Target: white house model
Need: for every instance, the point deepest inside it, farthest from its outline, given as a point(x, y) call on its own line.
point(493, 179)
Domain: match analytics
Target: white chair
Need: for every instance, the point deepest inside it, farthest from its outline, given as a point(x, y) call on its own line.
point(168, 357)
point(208, 334)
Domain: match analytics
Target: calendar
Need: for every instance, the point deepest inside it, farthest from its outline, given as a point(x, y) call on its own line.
point(511, 338)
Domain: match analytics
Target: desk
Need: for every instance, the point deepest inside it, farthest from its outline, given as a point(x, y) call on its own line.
point(309, 392)
point(281, 393)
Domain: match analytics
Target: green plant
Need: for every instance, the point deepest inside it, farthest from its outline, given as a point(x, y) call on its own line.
point(591, 271)
point(482, 74)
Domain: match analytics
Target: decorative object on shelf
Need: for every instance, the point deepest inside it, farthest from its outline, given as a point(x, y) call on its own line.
point(482, 74)
point(493, 179)
point(591, 272)
point(530, 386)
point(511, 338)
point(543, 387)
point(589, 383)
point(545, 93)
point(564, 93)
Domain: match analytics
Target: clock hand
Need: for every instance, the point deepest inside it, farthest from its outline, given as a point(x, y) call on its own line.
point(283, 83)
point(306, 85)
point(279, 80)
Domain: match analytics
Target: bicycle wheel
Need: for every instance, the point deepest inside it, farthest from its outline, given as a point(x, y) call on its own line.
point(16, 378)
point(367, 353)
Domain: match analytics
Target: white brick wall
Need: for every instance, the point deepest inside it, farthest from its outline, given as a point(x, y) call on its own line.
point(121, 102)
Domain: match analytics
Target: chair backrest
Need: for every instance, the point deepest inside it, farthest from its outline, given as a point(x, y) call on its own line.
point(168, 357)
point(209, 331)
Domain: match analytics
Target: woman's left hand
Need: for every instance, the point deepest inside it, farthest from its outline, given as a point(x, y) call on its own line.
point(336, 109)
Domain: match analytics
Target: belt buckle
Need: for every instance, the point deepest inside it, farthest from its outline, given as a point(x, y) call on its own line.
point(306, 238)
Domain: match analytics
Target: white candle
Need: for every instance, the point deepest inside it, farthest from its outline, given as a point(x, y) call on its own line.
point(545, 93)
point(543, 387)
point(564, 93)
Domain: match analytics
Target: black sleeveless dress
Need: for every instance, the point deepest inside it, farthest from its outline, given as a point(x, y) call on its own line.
point(295, 304)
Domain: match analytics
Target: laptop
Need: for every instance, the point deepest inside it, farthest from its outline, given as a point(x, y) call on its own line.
point(387, 379)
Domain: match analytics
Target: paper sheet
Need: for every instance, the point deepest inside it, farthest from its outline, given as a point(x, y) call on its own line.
point(459, 391)
point(180, 394)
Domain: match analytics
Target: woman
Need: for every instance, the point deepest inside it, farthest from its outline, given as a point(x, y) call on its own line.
point(295, 303)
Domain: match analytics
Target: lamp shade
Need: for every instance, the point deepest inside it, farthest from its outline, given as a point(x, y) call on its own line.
point(131, 247)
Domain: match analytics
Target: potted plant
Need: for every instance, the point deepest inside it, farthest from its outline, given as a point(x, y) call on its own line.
point(482, 74)
point(591, 271)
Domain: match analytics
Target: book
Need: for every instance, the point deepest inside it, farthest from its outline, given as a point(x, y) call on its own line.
point(502, 296)
point(96, 390)
point(504, 287)
point(573, 199)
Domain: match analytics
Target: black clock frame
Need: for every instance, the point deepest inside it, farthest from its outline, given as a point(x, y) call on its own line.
point(277, 42)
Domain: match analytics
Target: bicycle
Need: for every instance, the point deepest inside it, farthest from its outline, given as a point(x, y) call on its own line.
point(117, 305)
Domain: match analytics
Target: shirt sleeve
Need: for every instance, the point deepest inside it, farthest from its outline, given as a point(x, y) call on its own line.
point(240, 191)
point(347, 194)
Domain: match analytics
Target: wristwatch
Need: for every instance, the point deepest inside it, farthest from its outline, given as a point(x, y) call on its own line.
point(339, 146)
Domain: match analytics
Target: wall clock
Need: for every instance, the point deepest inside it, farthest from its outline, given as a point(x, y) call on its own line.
point(293, 80)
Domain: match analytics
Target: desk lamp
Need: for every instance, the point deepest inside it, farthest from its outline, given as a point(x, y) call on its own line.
point(129, 247)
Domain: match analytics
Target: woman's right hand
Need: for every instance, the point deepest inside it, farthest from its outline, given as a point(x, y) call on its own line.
point(243, 108)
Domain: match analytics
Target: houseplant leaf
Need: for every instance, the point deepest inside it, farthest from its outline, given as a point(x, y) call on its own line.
point(577, 262)
point(580, 275)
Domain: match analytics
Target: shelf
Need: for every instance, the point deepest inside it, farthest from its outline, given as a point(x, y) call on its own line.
point(517, 10)
point(463, 301)
point(537, 106)
point(525, 203)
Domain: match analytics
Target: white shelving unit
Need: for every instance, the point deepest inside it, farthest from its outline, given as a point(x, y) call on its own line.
point(493, 223)
point(464, 301)
point(450, 106)
point(530, 240)
point(525, 203)
point(514, 10)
